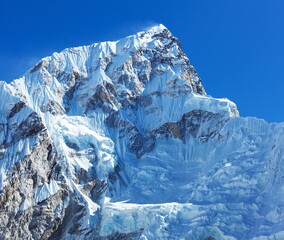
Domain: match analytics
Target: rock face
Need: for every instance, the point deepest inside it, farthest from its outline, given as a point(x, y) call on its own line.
point(119, 140)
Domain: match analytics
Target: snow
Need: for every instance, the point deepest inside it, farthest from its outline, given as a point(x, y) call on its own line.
point(46, 190)
point(25, 205)
point(157, 220)
point(276, 236)
point(91, 206)
point(228, 186)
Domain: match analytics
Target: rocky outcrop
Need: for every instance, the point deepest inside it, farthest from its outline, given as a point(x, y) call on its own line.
point(22, 217)
point(192, 125)
point(16, 108)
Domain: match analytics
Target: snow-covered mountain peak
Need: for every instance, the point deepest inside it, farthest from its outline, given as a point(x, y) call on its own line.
point(157, 28)
point(90, 127)
point(112, 75)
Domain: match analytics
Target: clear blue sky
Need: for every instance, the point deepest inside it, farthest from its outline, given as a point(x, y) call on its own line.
point(237, 46)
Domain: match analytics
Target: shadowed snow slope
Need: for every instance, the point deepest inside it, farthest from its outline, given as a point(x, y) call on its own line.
point(119, 140)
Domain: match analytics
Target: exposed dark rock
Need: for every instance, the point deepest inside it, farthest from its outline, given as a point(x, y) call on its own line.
point(170, 130)
point(144, 101)
point(55, 172)
point(69, 223)
point(114, 176)
point(16, 108)
point(209, 238)
point(29, 127)
point(36, 67)
point(53, 107)
point(74, 80)
point(124, 79)
point(165, 34)
point(141, 144)
point(99, 188)
point(37, 221)
point(103, 98)
point(190, 125)
point(195, 80)
point(125, 236)
point(113, 120)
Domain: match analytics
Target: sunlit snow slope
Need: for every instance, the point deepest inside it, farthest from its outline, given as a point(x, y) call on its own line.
point(119, 140)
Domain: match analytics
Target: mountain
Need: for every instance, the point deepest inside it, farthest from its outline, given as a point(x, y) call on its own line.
point(119, 140)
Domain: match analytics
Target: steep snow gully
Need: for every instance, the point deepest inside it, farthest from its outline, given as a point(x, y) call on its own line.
point(119, 140)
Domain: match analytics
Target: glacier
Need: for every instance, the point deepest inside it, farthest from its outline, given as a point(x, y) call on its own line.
point(119, 140)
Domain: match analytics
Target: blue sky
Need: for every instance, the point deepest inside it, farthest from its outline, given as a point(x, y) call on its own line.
point(237, 46)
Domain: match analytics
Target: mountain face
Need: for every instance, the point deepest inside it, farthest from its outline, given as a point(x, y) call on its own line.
point(119, 140)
